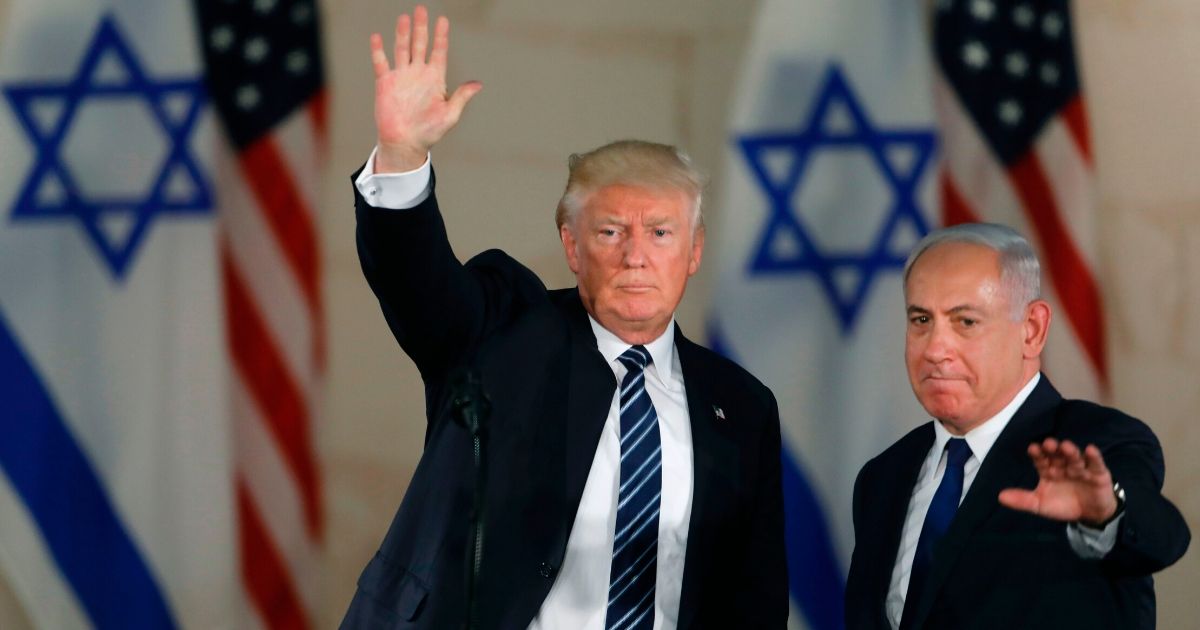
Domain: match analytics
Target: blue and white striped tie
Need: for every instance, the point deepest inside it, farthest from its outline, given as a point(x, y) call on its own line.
point(635, 543)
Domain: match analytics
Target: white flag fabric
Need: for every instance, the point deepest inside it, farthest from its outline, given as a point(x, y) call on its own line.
point(829, 182)
point(116, 491)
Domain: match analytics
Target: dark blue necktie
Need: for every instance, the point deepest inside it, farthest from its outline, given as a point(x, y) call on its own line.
point(937, 520)
point(635, 543)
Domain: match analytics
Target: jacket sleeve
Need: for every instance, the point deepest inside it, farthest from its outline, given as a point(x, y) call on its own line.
point(1152, 534)
point(438, 309)
point(858, 606)
point(853, 602)
point(765, 582)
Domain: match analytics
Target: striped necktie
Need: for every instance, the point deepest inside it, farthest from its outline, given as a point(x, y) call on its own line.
point(635, 543)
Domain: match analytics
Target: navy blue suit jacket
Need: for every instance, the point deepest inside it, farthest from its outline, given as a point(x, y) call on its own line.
point(550, 390)
point(999, 568)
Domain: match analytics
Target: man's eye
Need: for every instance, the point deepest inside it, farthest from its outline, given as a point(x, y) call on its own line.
point(968, 322)
point(608, 232)
point(661, 233)
point(919, 319)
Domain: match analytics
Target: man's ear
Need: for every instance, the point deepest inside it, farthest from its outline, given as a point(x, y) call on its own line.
point(697, 250)
point(1036, 328)
point(570, 247)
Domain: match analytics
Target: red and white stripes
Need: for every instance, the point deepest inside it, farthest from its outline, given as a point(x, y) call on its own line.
point(271, 282)
point(1046, 194)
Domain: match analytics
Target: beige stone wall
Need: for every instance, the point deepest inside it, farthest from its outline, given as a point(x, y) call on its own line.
point(1140, 63)
point(568, 75)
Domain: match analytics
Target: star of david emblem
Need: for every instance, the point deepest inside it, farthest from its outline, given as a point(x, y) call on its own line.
point(782, 164)
point(111, 148)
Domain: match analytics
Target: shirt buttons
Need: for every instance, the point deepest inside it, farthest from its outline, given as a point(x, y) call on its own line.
point(546, 570)
point(372, 191)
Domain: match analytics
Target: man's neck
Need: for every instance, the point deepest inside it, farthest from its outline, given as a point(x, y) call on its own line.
point(634, 336)
point(638, 338)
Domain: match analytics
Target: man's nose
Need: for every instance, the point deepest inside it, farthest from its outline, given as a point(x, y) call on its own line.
point(635, 250)
point(939, 345)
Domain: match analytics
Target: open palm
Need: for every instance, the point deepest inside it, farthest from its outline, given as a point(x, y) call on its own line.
point(1073, 485)
point(412, 109)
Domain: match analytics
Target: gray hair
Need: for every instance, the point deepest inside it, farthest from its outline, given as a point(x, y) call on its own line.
point(632, 163)
point(1020, 271)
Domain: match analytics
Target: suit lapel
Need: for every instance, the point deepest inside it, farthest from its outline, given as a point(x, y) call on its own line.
point(713, 456)
point(898, 487)
point(1006, 466)
point(589, 395)
point(590, 390)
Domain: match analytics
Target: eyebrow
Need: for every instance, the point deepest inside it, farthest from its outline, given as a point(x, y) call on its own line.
point(651, 222)
point(913, 308)
point(609, 220)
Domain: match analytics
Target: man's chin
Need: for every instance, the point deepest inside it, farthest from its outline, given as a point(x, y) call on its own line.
point(640, 319)
point(638, 309)
point(636, 317)
point(941, 406)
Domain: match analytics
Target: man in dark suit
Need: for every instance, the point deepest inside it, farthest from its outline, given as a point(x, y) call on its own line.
point(653, 504)
point(955, 526)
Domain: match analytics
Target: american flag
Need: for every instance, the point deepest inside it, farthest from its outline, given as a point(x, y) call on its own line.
point(1016, 150)
point(264, 72)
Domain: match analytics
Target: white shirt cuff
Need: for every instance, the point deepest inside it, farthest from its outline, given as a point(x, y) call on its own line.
point(1090, 543)
point(394, 191)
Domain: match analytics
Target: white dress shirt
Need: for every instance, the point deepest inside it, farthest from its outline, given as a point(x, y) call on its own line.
point(1085, 541)
point(578, 599)
point(394, 191)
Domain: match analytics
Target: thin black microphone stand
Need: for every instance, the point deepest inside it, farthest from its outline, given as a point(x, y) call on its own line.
point(471, 408)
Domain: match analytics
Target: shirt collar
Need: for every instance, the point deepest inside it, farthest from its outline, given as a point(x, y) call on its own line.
point(662, 349)
point(982, 437)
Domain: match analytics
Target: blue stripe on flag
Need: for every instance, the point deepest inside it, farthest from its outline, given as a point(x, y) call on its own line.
point(816, 582)
point(57, 483)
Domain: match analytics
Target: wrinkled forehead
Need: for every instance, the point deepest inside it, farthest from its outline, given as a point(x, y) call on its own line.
point(954, 273)
point(636, 201)
point(955, 259)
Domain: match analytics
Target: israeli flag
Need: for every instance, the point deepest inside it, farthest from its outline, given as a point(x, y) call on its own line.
point(829, 182)
point(115, 474)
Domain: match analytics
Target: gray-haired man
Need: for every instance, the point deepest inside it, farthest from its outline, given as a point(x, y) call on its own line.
point(954, 526)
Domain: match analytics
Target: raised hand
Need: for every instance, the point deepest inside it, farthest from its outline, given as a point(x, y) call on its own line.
point(412, 109)
point(1072, 485)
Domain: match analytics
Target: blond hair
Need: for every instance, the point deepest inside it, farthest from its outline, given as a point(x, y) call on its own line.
point(631, 163)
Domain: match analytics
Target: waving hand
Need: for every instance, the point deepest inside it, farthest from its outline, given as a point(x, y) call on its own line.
point(412, 108)
point(1073, 484)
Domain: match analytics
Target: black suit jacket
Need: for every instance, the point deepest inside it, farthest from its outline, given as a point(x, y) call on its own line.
point(550, 390)
point(999, 568)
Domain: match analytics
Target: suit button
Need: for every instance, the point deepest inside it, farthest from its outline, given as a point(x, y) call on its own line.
point(545, 570)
